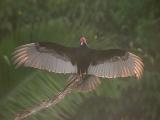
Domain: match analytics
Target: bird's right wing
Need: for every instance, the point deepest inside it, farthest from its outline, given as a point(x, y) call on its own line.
point(47, 56)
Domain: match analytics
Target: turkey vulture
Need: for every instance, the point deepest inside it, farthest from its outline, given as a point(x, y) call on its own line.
point(82, 60)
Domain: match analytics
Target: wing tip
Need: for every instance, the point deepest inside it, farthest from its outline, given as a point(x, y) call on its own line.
point(19, 54)
point(138, 66)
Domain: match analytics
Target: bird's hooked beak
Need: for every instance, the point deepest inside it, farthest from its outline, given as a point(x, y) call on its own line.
point(83, 41)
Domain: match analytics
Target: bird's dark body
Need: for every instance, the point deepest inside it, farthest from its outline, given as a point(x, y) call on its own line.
point(83, 57)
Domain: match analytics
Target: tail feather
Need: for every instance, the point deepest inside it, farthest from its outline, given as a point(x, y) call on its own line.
point(87, 84)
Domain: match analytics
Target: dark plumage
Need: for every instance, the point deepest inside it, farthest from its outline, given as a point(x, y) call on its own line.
point(83, 60)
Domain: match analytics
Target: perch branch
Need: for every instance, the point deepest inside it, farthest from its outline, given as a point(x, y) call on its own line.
point(50, 102)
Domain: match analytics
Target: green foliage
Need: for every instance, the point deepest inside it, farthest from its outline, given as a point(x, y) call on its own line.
point(132, 25)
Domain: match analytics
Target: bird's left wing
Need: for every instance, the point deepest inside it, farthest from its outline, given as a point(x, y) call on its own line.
point(47, 56)
point(114, 63)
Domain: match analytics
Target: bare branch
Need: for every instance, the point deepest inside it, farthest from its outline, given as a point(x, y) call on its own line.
point(74, 79)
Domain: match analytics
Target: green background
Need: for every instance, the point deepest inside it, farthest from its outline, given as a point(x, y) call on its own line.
point(129, 24)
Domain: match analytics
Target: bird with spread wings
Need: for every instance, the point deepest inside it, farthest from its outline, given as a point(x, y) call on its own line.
point(84, 63)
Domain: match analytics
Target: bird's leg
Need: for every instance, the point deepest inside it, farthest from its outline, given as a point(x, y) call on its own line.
point(81, 74)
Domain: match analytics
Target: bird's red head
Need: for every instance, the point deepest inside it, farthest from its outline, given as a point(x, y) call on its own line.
point(83, 41)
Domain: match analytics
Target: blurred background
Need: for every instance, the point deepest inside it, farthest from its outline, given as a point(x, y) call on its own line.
point(130, 24)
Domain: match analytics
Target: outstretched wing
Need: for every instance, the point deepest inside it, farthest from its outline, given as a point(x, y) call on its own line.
point(114, 63)
point(47, 56)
